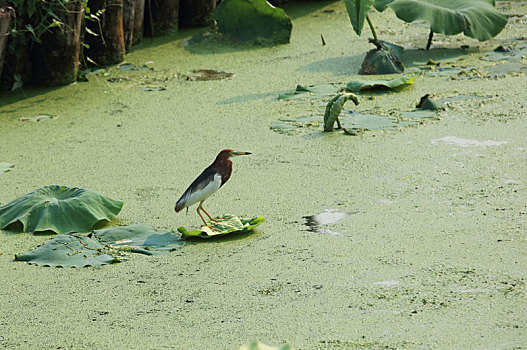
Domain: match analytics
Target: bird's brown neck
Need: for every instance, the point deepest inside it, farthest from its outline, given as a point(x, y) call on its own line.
point(223, 167)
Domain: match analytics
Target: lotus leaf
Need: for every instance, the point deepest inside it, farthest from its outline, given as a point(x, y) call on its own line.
point(5, 167)
point(512, 53)
point(359, 85)
point(68, 251)
point(311, 91)
point(224, 225)
point(333, 109)
point(477, 19)
point(59, 209)
point(139, 238)
point(253, 19)
point(358, 11)
point(358, 122)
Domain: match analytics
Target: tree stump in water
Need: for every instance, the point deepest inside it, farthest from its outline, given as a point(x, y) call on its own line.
point(161, 17)
point(196, 13)
point(107, 47)
point(55, 59)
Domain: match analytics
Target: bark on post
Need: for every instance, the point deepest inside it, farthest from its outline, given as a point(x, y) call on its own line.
point(107, 47)
point(164, 15)
point(138, 21)
point(196, 13)
point(128, 23)
point(55, 60)
point(6, 14)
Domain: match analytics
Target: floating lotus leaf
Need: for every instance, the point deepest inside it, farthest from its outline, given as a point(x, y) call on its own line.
point(5, 167)
point(333, 109)
point(359, 85)
point(515, 53)
point(311, 91)
point(357, 123)
point(225, 225)
point(68, 251)
point(477, 19)
point(59, 209)
point(139, 238)
point(253, 19)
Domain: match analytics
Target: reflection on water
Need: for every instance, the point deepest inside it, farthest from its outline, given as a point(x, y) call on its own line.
point(329, 216)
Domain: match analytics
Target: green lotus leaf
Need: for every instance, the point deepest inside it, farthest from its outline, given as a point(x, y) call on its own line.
point(357, 11)
point(223, 226)
point(359, 85)
point(68, 251)
point(301, 91)
point(253, 19)
point(59, 209)
point(334, 107)
point(5, 167)
point(139, 238)
point(477, 19)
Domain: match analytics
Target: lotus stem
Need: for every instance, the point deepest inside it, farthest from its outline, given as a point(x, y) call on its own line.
point(430, 36)
point(375, 39)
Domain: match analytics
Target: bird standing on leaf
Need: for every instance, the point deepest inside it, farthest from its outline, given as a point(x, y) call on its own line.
point(208, 182)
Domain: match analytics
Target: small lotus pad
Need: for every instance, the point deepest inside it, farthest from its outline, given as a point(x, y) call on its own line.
point(59, 209)
point(68, 251)
point(225, 225)
point(139, 238)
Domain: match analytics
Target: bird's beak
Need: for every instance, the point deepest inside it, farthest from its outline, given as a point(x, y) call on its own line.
point(240, 153)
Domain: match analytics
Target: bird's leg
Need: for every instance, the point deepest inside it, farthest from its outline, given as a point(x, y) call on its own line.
point(210, 217)
point(201, 216)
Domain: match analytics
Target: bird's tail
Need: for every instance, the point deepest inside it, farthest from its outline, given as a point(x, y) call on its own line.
point(180, 205)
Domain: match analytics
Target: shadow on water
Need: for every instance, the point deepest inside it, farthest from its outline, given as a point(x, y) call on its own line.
point(349, 65)
point(9, 97)
point(329, 216)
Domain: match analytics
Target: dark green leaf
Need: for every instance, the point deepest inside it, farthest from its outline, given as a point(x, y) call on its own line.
point(252, 19)
point(59, 209)
point(475, 18)
point(357, 11)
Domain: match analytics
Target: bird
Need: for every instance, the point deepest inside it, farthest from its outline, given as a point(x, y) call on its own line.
point(208, 182)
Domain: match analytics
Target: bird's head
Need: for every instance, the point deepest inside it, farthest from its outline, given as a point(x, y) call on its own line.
point(228, 153)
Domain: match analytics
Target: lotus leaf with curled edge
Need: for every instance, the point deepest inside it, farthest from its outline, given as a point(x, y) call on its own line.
point(68, 251)
point(59, 209)
point(333, 109)
point(224, 225)
point(141, 238)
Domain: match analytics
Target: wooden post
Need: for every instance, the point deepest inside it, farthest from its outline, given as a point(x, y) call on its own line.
point(138, 21)
point(164, 16)
point(107, 47)
point(55, 60)
point(6, 14)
